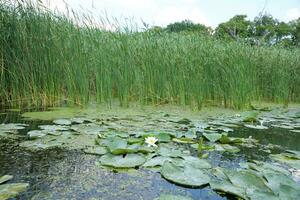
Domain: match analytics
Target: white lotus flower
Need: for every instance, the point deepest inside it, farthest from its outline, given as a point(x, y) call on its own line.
point(151, 141)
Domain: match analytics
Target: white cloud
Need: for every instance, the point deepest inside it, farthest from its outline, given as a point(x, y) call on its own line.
point(293, 13)
point(155, 12)
point(173, 14)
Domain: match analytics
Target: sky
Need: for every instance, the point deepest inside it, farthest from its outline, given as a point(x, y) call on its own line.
point(163, 12)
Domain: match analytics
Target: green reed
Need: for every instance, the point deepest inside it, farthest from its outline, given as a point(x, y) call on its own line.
point(46, 59)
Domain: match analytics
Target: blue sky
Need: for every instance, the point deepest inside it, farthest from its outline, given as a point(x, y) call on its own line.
point(163, 12)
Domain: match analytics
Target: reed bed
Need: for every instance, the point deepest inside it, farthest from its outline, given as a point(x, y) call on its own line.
point(48, 58)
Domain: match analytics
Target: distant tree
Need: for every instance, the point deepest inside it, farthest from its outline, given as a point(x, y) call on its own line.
point(237, 27)
point(188, 26)
point(295, 31)
point(155, 29)
point(264, 29)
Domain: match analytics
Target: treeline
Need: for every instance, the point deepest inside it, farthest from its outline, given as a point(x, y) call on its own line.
point(263, 30)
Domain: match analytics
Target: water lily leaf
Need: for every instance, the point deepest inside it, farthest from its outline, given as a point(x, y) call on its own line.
point(283, 126)
point(132, 140)
point(227, 187)
point(96, 150)
point(212, 137)
point(119, 161)
point(172, 197)
point(183, 140)
point(5, 178)
point(170, 152)
point(12, 190)
point(187, 175)
point(52, 128)
point(263, 167)
point(285, 158)
point(90, 128)
point(184, 121)
point(12, 126)
point(250, 116)
point(36, 134)
point(259, 127)
point(295, 131)
point(275, 181)
point(247, 179)
point(145, 149)
point(229, 140)
point(226, 147)
point(256, 194)
point(62, 122)
point(80, 120)
point(157, 161)
point(197, 163)
point(164, 137)
point(119, 146)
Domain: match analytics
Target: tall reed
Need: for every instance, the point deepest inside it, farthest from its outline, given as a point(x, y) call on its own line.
point(46, 58)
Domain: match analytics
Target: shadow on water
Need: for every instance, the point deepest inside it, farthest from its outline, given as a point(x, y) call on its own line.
point(276, 136)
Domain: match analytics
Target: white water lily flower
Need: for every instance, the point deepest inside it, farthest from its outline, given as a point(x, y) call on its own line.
point(151, 141)
point(295, 173)
point(237, 115)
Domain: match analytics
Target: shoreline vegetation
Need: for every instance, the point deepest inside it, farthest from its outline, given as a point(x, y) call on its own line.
point(47, 59)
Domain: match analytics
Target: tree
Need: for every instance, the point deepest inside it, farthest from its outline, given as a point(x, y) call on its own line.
point(295, 32)
point(237, 27)
point(264, 29)
point(188, 26)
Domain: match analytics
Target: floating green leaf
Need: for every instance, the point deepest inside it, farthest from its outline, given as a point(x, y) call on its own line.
point(62, 122)
point(119, 161)
point(5, 178)
point(212, 137)
point(187, 175)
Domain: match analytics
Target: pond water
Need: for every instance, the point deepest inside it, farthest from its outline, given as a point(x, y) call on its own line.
point(66, 172)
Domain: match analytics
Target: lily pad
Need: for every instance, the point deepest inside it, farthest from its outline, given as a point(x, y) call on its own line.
point(183, 140)
point(227, 187)
point(54, 127)
point(164, 137)
point(187, 175)
point(157, 161)
point(119, 161)
point(12, 126)
point(212, 137)
point(36, 134)
point(197, 162)
point(5, 178)
point(259, 127)
point(12, 190)
point(288, 159)
point(248, 180)
point(90, 128)
point(184, 121)
point(226, 147)
point(250, 116)
point(62, 122)
point(169, 151)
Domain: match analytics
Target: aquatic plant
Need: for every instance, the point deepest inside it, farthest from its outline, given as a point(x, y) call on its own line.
point(151, 141)
point(49, 59)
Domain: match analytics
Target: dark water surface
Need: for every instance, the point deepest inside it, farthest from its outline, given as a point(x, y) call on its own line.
point(71, 174)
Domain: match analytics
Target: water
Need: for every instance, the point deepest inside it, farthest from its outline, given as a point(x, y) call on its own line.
point(71, 174)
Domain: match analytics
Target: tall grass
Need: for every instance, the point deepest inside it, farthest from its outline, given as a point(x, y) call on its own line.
point(47, 58)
